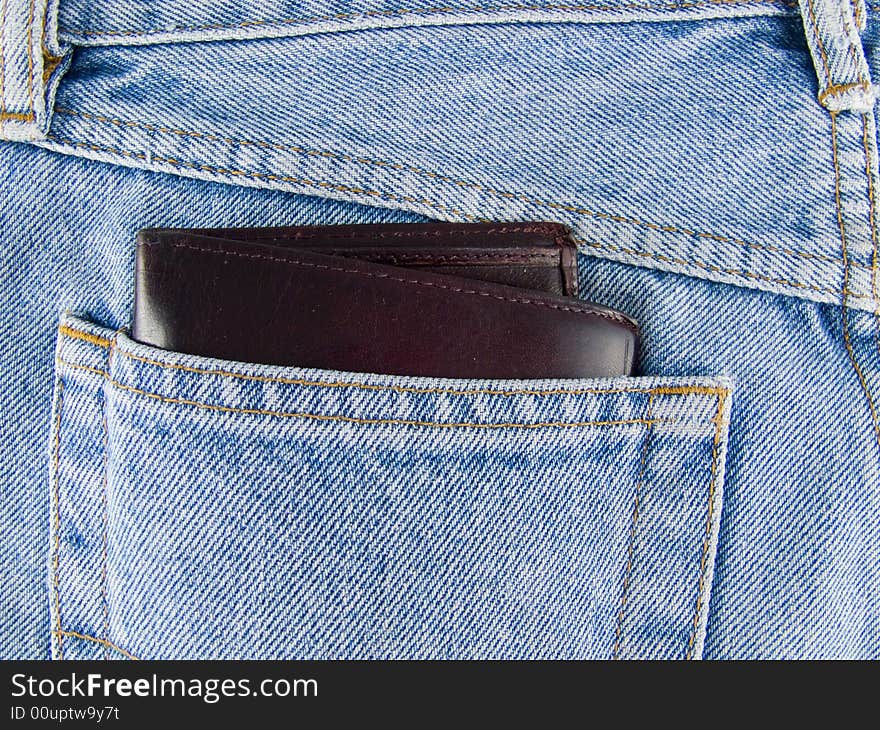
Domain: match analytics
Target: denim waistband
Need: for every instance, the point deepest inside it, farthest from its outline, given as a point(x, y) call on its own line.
point(780, 232)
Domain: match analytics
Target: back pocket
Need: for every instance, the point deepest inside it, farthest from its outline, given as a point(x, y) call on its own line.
point(208, 509)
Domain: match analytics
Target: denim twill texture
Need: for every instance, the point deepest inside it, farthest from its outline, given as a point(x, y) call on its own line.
point(377, 516)
point(717, 162)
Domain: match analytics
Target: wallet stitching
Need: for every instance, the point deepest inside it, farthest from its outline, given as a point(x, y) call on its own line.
point(553, 205)
point(393, 13)
point(568, 271)
point(620, 319)
point(106, 643)
point(547, 229)
point(377, 256)
point(69, 332)
point(710, 513)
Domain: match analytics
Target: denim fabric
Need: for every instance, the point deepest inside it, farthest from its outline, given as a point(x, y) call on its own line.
point(717, 163)
point(323, 515)
point(81, 256)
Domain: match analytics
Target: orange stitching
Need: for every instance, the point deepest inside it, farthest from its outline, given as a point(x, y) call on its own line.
point(30, 56)
point(376, 421)
point(855, 59)
point(632, 532)
point(80, 335)
point(673, 390)
point(436, 176)
point(104, 603)
point(95, 371)
point(103, 642)
point(2, 64)
point(50, 63)
point(425, 11)
point(689, 390)
point(266, 176)
point(851, 48)
point(56, 460)
point(846, 338)
point(717, 269)
point(710, 513)
point(361, 386)
point(840, 89)
point(368, 386)
point(872, 212)
point(407, 199)
point(16, 117)
point(819, 40)
point(365, 421)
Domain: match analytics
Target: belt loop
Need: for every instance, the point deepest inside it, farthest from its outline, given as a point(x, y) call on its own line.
point(860, 11)
point(31, 62)
point(832, 28)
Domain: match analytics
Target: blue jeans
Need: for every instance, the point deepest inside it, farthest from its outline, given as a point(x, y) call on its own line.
point(717, 162)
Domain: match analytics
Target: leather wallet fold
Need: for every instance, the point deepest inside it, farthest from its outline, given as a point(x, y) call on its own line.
point(438, 300)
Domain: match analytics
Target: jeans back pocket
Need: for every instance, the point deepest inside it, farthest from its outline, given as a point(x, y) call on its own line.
point(210, 509)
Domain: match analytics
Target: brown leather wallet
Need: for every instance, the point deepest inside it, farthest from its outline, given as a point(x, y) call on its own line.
point(435, 299)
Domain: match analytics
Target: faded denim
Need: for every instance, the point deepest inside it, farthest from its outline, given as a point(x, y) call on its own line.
point(717, 163)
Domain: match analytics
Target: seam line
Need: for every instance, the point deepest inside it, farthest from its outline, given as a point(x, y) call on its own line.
point(103, 642)
point(2, 62)
point(710, 514)
point(716, 269)
point(677, 390)
point(407, 199)
point(851, 47)
point(366, 421)
point(846, 338)
point(30, 57)
point(821, 46)
point(630, 551)
point(872, 212)
point(104, 603)
point(421, 11)
point(554, 205)
point(56, 498)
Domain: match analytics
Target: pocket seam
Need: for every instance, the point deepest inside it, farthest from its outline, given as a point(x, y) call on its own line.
point(710, 514)
point(624, 595)
point(56, 497)
point(106, 643)
point(72, 333)
point(350, 419)
point(104, 516)
point(721, 394)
